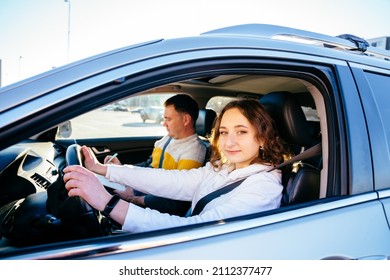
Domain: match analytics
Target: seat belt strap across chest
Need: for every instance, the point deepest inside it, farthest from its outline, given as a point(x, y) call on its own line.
point(163, 152)
point(206, 199)
point(309, 153)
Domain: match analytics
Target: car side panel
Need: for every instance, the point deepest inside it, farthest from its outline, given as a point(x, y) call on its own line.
point(385, 199)
point(331, 232)
point(330, 229)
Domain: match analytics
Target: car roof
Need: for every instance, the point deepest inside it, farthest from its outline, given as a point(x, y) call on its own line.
point(261, 36)
point(347, 42)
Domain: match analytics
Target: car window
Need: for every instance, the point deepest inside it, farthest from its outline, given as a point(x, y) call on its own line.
point(134, 116)
point(380, 84)
point(310, 114)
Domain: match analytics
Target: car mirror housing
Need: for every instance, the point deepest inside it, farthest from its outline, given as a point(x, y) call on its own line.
point(65, 130)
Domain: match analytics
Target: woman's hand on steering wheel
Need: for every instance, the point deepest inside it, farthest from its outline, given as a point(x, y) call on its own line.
point(91, 162)
point(83, 183)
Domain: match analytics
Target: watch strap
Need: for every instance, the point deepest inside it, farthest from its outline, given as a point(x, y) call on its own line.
point(110, 205)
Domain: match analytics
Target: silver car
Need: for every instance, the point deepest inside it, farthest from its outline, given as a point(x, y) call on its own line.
point(331, 94)
point(154, 113)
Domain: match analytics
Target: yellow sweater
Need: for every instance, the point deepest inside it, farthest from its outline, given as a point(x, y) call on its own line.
point(184, 153)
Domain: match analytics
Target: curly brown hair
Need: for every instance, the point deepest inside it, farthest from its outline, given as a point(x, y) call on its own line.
point(271, 153)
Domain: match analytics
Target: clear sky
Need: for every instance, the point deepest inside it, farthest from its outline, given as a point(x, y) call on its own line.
point(34, 33)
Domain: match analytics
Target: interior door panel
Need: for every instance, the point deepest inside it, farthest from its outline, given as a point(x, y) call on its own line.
point(130, 150)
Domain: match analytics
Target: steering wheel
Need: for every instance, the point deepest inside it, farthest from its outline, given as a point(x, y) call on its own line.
point(51, 216)
point(73, 155)
point(78, 217)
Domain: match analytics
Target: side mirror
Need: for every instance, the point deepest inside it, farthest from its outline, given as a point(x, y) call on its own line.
point(64, 130)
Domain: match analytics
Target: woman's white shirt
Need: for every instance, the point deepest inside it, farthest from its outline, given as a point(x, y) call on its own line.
point(261, 191)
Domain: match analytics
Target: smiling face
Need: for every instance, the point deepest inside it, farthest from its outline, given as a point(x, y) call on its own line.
point(237, 139)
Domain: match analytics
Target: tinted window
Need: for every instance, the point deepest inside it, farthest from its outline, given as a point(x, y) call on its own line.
point(380, 86)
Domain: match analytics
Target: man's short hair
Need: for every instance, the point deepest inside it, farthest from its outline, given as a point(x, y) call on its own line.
point(184, 103)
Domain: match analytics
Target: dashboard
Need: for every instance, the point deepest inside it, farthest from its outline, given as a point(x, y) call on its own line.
point(34, 205)
point(27, 168)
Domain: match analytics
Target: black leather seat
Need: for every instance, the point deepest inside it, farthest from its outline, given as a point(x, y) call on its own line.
point(302, 180)
point(203, 126)
point(205, 122)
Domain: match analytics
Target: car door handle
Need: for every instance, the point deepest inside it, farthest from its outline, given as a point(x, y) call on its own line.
point(100, 150)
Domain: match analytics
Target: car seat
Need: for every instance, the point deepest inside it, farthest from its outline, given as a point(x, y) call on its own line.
point(203, 126)
point(205, 122)
point(301, 180)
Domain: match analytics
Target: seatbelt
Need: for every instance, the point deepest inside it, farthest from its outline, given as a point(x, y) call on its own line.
point(163, 152)
point(206, 199)
point(313, 151)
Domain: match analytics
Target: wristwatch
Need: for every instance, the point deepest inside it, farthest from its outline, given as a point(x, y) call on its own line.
point(110, 205)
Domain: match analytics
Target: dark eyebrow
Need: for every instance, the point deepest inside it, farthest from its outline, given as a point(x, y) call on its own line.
point(237, 126)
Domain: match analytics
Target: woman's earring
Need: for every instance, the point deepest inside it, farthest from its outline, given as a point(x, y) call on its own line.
point(261, 152)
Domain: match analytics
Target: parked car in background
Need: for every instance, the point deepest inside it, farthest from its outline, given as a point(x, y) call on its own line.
point(327, 94)
point(115, 107)
point(154, 113)
point(121, 108)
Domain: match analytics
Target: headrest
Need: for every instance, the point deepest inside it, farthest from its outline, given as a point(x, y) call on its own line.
point(289, 118)
point(205, 122)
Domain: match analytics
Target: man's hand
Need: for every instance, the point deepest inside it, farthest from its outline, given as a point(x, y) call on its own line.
point(128, 195)
point(113, 160)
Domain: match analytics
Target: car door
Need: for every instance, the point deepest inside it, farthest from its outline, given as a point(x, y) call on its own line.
point(375, 83)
